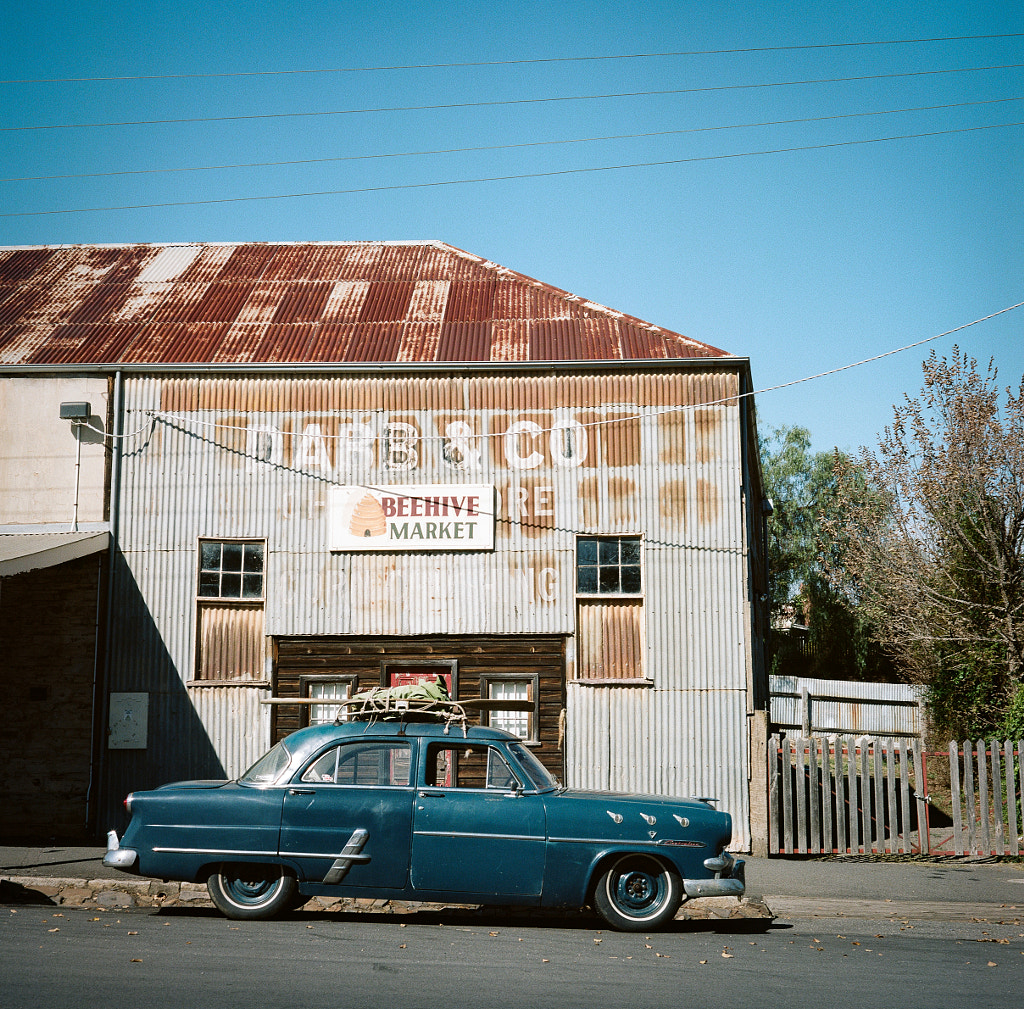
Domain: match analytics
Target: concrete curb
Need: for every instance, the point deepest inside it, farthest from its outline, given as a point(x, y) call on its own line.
point(115, 895)
point(917, 910)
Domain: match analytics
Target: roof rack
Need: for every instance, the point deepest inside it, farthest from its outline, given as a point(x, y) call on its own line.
point(384, 704)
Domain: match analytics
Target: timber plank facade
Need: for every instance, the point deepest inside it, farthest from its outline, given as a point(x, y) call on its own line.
point(538, 660)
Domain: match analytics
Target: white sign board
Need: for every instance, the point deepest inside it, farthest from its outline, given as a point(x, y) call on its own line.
point(429, 517)
point(129, 721)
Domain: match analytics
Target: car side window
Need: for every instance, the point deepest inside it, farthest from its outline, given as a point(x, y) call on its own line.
point(469, 766)
point(365, 763)
point(499, 774)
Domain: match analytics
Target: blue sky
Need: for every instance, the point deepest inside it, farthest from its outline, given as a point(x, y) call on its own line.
point(803, 261)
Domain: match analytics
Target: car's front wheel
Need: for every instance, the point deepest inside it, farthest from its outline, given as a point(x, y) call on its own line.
point(249, 892)
point(637, 893)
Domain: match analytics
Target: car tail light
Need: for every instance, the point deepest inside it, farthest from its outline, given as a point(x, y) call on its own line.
point(128, 802)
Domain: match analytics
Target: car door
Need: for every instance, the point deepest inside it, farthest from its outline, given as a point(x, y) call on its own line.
point(347, 815)
point(474, 830)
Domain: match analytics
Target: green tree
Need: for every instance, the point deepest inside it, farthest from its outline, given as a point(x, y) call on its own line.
point(803, 487)
point(936, 553)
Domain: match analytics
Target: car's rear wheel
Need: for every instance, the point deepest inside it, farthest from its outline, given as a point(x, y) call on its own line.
point(637, 893)
point(249, 892)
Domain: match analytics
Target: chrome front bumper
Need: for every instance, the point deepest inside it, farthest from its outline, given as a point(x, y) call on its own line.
point(729, 880)
point(118, 857)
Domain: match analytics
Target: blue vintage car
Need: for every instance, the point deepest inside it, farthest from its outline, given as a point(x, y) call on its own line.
point(431, 812)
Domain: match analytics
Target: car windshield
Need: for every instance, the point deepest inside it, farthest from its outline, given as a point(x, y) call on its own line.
point(539, 775)
point(269, 767)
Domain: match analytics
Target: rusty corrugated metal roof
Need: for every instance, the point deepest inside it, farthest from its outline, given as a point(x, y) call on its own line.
point(299, 303)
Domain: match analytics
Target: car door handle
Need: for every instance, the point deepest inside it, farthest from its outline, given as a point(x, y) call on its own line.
point(431, 795)
point(302, 791)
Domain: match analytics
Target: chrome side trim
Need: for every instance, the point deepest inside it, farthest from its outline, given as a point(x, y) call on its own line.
point(220, 851)
point(349, 856)
point(489, 837)
point(617, 841)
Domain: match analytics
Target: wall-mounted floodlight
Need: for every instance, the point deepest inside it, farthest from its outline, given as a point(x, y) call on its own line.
point(75, 411)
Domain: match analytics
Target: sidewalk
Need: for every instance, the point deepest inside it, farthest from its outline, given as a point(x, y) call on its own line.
point(949, 889)
point(76, 877)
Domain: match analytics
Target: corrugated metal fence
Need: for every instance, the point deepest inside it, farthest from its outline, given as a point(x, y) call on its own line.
point(848, 707)
point(874, 796)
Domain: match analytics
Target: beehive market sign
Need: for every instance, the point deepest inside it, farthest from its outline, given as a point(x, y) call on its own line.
point(402, 518)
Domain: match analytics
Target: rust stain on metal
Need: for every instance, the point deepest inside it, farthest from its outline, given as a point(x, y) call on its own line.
point(387, 301)
point(705, 424)
point(486, 312)
point(708, 502)
point(620, 439)
point(428, 301)
point(589, 512)
point(530, 503)
point(672, 438)
point(609, 640)
point(623, 499)
point(672, 498)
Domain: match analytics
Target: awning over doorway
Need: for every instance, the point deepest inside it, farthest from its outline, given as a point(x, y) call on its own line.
point(20, 552)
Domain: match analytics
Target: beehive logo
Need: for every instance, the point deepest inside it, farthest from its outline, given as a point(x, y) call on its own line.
point(367, 519)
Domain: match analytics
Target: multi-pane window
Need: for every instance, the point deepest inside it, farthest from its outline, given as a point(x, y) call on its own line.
point(230, 638)
point(230, 570)
point(609, 609)
point(608, 565)
point(332, 691)
point(516, 722)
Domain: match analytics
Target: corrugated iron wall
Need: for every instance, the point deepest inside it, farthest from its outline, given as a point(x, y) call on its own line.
point(654, 454)
point(847, 707)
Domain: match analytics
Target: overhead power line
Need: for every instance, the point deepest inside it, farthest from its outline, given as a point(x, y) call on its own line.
point(508, 63)
point(508, 147)
point(507, 102)
point(505, 178)
point(153, 415)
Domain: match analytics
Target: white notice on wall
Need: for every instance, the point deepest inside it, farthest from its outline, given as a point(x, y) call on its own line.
point(401, 518)
point(129, 721)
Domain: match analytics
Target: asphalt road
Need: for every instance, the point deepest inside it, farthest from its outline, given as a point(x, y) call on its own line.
point(194, 958)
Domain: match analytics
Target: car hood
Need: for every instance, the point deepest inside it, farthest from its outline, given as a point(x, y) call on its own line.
point(620, 817)
point(633, 799)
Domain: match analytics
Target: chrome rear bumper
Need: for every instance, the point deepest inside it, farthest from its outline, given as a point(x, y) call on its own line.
point(117, 857)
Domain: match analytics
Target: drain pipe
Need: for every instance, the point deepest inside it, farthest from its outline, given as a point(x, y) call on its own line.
point(97, 750)
point(77, 424)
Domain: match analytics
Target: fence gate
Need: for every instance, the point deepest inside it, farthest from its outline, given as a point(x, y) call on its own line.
point(845, 796)
point(874, 796)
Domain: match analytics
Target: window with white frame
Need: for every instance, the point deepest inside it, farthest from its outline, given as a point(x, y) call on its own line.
point(230, 569)
point(230, 636)
point(521, 691)
point(608, 565)
point(327, 689)
point(609, 609)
